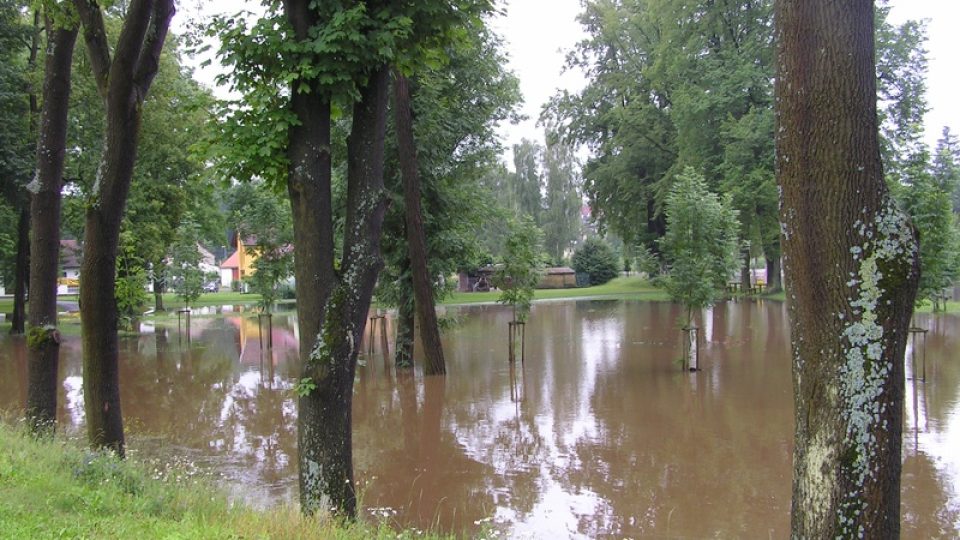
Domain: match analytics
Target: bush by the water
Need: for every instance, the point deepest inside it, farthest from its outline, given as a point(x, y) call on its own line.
point(596, 259)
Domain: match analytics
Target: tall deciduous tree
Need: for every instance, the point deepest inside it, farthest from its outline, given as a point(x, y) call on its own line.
point(169, 181)
point(331, 55)
point(19, 111)
point(456, 145)
point(123, 75)
point(901, 94)
point(416, 238)
point(43, 339)
point(946, 166)
point(927, 200)
point(851, 273)
point(560, 219)
point(525, 182)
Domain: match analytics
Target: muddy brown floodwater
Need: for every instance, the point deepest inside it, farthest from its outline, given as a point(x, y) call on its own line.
point(597, 433)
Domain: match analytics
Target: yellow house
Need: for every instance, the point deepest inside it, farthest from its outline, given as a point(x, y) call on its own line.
point(246, 256)
point(239, 265)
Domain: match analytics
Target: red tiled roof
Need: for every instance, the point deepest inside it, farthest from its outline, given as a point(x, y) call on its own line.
point(233, 261)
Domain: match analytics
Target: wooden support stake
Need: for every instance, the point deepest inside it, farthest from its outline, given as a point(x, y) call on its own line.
point(914, 332)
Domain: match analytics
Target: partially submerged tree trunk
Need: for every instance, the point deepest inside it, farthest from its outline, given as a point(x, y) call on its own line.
point(405, 322)
point(416, 238)
point(773, 270)
point(325, 436)
point(123, 83)
point(21, 273)
point(745, 272)
point(851, 265)
point(159, 282)
point(43, 339)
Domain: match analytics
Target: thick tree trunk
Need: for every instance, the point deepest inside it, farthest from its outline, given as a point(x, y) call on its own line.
point(851, 267)
point(311, 203)
point(325, 437)
point(405, 325)
point(123, 82)
point(324, 425)
point(21, 273)
point(43, 341)
point(416, 238)
point(99, 319)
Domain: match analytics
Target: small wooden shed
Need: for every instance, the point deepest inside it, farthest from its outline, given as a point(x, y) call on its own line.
point(560, 277)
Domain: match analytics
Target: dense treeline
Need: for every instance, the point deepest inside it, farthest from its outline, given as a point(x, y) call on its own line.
point(675, 85)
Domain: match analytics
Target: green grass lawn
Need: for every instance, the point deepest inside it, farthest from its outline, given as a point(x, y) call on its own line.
point(927, 307)
point(633, 288)
point(55, 489)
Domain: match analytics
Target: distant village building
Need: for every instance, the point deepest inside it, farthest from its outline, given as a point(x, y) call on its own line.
point(478, 280)
point(230, 270)
point(239, 265)
point(70, 255)
point(561, 277)
point(481, 279)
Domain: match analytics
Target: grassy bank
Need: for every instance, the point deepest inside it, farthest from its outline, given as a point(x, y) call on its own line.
point(626, 288)
point(925, 307)
point(57, 490)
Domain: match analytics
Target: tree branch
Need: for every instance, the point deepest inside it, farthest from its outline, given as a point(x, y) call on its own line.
point(149, 62)
point(130, 44)
point(95, 38)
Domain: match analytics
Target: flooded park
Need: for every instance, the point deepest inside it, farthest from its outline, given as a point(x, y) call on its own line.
point(596, 433)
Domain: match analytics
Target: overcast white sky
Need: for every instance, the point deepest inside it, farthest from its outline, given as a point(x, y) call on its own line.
point(539, 32)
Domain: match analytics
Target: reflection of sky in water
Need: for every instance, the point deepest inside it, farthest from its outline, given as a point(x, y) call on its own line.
point(558, 510)
point(936, 438)
point(73, 385)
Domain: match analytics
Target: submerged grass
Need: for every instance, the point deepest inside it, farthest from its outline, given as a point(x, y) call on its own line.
point(54, 489)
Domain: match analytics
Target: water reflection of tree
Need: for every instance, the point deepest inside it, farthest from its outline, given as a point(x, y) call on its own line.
point(420, 472)
point(928, 506)
point(13, 373)
point(193, 400)
point(927, 510)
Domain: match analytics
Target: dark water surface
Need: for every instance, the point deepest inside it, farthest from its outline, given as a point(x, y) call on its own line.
point(598, 433)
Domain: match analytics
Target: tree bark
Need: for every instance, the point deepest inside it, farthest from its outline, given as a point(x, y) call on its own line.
point(774, 283)
point(416, 238)
point(22, 269)
point(326, 449)
point(851, 267)
point(43, 341)
point(123, 82)
point(21, 272)
point(745, 271)
point(324, 423)
point(406, 314)
point(158, 285)
point(308, 185)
